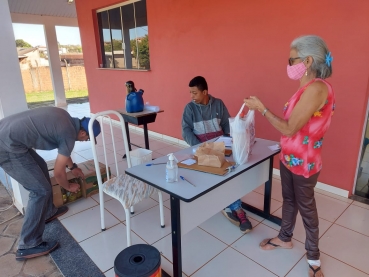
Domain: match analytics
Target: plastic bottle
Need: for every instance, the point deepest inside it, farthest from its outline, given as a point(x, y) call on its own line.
point(171, 169)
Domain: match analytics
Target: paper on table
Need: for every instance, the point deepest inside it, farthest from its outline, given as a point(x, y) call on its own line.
point(274, 147)
point(189, 161)
point(227, 141)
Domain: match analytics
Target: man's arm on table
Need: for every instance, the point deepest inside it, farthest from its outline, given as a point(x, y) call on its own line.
point(187, 127)
point(224, 120)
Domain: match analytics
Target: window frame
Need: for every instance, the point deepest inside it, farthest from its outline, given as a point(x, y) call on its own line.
point(103, 64)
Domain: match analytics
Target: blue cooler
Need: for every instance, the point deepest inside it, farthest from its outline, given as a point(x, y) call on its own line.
point(135, 102)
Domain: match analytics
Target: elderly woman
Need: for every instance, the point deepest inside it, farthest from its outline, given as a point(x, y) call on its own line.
point(306, 118)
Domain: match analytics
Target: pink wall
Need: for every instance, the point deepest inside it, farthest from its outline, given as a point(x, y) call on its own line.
point(241, 47)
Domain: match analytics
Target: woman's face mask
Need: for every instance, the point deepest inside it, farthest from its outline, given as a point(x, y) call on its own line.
point(296, 72)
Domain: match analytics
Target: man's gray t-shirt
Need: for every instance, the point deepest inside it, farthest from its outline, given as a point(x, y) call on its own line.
point(43, 128)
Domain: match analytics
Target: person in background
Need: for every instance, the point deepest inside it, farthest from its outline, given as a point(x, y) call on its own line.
point(205, 118)
point(306, 118)
point(130, 87)
point(45, 128)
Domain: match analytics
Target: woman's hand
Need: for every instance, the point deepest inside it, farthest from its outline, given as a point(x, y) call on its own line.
point(253, 103)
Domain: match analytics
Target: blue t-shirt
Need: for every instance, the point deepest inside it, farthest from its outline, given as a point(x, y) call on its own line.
point(43, 128)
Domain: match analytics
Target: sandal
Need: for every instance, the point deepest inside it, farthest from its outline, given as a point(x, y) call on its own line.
point(273, 244)
point(314, 270)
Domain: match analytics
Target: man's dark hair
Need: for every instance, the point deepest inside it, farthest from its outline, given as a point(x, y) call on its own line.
point(199, 82)
point(131, 85)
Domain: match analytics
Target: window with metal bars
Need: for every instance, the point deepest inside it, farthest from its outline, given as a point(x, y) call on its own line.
point(124, 36)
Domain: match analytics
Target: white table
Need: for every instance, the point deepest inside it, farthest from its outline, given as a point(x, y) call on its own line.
point(190, 206)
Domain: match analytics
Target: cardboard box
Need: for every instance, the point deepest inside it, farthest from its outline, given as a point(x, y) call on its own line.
point(62, 196)
point(89, 186)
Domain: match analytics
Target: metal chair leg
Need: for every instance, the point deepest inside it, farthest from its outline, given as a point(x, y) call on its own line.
point(162, 224)
point(128, 227)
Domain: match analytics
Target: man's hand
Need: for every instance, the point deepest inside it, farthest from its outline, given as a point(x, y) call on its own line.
point(73, 187)
point(77, 172)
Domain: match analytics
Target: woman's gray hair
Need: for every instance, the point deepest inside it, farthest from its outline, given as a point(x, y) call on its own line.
point(316, 48)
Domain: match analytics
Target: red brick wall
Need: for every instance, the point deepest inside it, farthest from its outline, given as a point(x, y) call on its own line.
point(39, 79)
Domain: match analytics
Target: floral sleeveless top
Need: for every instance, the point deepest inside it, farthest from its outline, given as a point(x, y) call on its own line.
point(301, 153)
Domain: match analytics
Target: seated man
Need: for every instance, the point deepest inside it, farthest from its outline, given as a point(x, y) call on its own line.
point(205, 118)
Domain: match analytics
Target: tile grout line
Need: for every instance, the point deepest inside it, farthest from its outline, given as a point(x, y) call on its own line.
point(343, 262)
point(333, 223)
point(162, 255)
point(60, 219)
point(253, 261)
point(249, 257)
point(101, 231)
point(160, 239)
point(263, 195)
point(141, 237)
point(209, 260)
point(332, 196)
point(314, 192)
point(294, 266)
point(258, 222)
point(131, 216)
point(348, 227)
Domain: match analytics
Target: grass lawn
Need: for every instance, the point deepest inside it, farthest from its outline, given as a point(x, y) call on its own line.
point(49, 95)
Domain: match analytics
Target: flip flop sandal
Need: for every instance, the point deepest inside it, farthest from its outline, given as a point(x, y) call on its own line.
point(270, 243)
point(314, 270)
point(273, 244)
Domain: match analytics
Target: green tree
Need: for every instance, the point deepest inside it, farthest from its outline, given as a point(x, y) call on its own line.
point(143, 51)
point(117, 45)
point(72, 48)
point(22, 43)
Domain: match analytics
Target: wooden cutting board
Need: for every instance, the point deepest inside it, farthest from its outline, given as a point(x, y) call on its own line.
point(208, 169)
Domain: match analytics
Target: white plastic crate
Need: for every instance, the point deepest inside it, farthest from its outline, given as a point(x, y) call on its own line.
point(140, 155)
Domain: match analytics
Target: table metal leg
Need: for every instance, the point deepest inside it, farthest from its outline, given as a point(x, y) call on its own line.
point(267, 199)
point(146, 135)
point(128, 139)
point(176, 236)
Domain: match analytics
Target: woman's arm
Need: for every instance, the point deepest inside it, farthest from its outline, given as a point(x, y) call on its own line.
point(311, 100)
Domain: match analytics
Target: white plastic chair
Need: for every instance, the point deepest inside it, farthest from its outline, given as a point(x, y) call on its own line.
point(103, 118)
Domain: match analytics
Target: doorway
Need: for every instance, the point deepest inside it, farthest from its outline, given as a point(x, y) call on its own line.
point(362, 181)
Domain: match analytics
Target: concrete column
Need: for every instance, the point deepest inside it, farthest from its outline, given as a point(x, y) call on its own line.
point(54, 61)
point(127, 49)
point(12, 96)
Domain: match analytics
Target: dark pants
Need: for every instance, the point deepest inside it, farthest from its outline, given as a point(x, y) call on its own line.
point(298, 196)
point(30, 170)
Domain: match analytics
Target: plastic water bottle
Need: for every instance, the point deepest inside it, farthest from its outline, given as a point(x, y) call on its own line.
point(171, 169)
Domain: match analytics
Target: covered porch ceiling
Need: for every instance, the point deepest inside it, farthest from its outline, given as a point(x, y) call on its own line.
point(54, 8)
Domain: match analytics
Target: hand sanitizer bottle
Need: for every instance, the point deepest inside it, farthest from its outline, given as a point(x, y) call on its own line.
point(171, 169)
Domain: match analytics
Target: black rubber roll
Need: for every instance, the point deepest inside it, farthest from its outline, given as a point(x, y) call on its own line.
point(140, 260)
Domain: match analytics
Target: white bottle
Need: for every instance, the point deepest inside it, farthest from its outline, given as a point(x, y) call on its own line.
point(171, 169)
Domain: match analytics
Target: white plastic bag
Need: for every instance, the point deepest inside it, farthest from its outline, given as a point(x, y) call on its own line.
point(243, 135)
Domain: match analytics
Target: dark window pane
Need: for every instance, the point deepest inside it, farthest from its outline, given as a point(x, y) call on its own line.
point(124, 36)
point(117, 39)
point(105, 39)
point(128, 24)
point(140, 33)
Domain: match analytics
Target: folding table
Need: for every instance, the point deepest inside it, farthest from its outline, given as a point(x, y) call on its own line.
point(190, 205)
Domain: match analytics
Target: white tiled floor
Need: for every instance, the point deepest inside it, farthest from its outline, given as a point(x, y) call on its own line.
point(216, 247)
